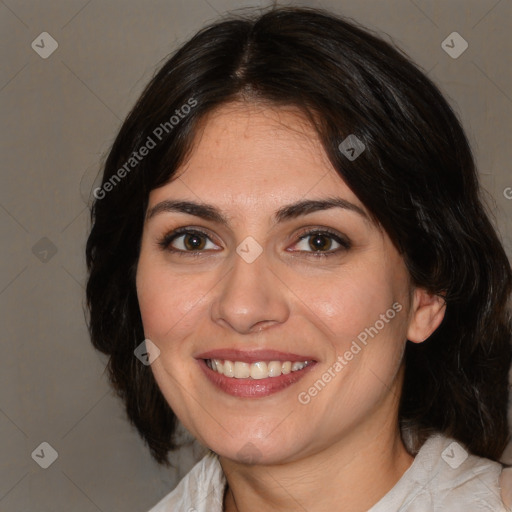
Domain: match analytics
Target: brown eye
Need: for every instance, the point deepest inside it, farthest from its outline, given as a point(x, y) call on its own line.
point(186, 241)
point(194, 242)
point(320, 242)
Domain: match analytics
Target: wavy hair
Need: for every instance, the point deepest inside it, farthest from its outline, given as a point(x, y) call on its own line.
point(417, 177)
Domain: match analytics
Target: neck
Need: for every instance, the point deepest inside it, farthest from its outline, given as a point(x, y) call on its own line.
point(356, 471)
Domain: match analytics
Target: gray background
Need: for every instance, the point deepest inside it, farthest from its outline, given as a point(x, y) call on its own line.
point(60, 116)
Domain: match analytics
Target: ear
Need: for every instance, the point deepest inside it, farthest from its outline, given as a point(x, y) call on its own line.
point(427, 313)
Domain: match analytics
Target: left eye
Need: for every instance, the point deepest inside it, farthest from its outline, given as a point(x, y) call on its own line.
point(321, 242)
point(187, 241)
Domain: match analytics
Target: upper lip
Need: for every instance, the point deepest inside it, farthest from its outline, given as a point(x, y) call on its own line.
point(252, 356)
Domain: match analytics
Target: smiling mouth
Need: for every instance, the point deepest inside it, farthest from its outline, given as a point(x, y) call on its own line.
point(253, 373)
point(257, 370)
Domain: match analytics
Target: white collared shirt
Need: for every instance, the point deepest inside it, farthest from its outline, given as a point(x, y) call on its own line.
point(443, 477)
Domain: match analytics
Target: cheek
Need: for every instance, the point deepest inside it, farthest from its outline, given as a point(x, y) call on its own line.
point(168, 303)
point(351, 302)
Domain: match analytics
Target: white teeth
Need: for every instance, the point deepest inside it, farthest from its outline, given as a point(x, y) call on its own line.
point(242, 370)
point(229, 369)
point(274, 368)
point(258, 370)
point(217, 363)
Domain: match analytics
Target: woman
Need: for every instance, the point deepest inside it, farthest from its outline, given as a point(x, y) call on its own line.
point(290, 255)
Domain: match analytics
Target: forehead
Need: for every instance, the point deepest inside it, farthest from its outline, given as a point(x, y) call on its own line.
point(253, 154)
point(236, 125)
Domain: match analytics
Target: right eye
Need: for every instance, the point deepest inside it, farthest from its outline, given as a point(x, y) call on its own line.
point(185, 240)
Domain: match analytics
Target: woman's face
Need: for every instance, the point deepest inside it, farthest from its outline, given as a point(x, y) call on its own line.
point(264, 272)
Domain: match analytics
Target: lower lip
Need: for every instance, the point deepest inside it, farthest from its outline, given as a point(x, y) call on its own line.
point(252, 388)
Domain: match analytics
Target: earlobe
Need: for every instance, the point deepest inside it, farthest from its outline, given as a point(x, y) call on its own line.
point(426, 315)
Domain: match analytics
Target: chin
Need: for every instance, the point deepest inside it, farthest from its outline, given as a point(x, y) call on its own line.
point(252, 450)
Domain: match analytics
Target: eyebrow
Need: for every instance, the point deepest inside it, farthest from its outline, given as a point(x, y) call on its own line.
point(209, 212)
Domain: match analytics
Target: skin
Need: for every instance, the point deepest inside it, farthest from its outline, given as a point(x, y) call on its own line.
point(506, 487)
point(343, 446)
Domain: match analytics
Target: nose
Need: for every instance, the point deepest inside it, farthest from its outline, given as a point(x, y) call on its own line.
point(250, 298)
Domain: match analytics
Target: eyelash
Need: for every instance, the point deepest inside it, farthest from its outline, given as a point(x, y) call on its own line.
point(166, 240)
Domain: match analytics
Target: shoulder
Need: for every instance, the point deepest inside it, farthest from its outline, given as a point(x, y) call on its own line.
point(445, 476)
point(200, 490)
point(462, 479)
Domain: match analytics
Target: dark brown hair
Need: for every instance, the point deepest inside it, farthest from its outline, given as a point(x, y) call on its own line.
point(416, 176)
